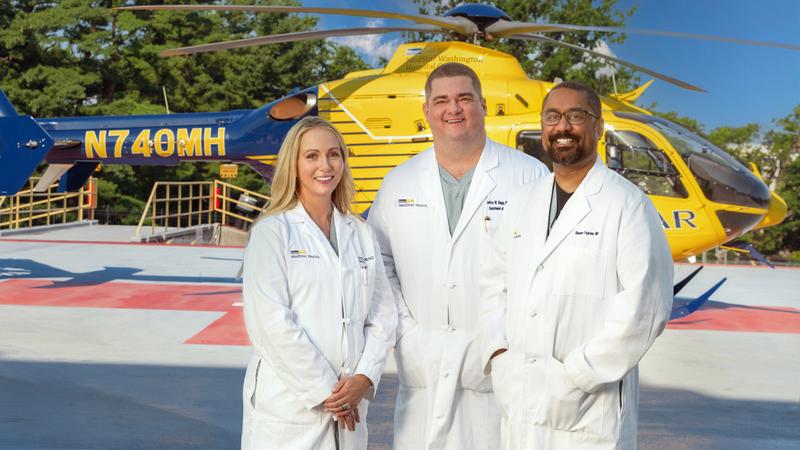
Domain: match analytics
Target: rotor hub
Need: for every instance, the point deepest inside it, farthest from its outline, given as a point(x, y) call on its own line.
point(481, 15)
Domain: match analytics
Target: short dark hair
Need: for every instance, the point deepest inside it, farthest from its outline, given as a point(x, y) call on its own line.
point(453, 69)
point(591, 95)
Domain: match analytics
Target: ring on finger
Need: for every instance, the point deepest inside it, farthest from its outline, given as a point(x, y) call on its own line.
point(345, 406)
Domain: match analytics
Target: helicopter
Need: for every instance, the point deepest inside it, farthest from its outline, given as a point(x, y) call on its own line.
point(704, 196)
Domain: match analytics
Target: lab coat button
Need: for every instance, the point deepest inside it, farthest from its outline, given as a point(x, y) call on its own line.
point(530, 360)
point(540, 267)
point(451, 285)
point(446, 374)
point(533, 314)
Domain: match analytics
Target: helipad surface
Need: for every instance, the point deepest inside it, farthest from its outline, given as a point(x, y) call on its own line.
point(142, 346)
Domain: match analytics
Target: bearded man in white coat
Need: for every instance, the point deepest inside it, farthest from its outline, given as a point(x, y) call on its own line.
point(578, 287)
point(434, 216)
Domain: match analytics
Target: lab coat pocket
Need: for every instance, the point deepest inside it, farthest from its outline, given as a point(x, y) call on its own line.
point(502, 383)
point(274, 402)
point(249, 384)
point(472, 376)
point(565, 406)
point(255, 386)
point(409, 357)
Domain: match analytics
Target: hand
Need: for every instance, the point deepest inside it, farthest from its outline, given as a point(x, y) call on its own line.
point(348, 392)
point(498, 352)
point(349, 420)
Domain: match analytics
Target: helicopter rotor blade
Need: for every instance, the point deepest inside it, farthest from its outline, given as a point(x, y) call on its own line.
point(638, 68)
point(503, 28)
point(459, 25)
point(294, 37)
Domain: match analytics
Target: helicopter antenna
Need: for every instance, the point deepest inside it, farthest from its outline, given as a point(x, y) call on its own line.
point(166, 101)
point(614, 79)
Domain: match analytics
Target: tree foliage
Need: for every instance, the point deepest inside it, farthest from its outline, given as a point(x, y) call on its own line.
point(547, 62)
point(80, 58)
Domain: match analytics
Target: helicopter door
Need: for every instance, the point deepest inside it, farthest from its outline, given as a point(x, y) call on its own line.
point(530, 142)
point(639, 160)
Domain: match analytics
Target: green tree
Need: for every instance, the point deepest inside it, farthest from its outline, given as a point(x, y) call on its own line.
point(79, 58)
point(548, 62)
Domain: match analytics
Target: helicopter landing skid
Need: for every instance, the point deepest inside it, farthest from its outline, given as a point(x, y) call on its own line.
point(693, 305)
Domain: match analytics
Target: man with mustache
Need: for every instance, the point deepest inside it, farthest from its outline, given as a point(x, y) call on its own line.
point(434, 217)
point(577, 288)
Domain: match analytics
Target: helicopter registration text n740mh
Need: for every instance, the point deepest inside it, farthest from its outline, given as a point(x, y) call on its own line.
point(160, 142)
point(705, 197)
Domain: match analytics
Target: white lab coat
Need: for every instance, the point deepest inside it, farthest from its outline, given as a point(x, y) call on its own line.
point(577, 312)
point(312, 317)
point(444, 400)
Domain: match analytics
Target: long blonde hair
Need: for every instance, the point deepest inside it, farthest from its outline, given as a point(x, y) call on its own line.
point(285, 187)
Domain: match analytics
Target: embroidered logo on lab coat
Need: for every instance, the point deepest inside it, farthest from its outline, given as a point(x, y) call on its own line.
point(410, 203)
point(300, 254)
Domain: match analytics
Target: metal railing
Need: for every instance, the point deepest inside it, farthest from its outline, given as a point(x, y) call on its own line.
point(242, 207)
point(185, 204)
point(28, 208)
point(177, 204)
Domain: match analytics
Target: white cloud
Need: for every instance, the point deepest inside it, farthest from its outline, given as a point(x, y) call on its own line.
point(606, 72)
point(370, 46)
point(608, 67)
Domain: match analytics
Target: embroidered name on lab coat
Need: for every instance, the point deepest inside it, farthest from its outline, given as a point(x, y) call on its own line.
point(587, 233)
point(496, 205)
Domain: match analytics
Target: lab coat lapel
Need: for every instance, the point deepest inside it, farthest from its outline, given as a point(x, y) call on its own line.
point(344, 231)
point(299, 215)
point(534, 225)
point(480, 187)
point(574, 211)
point(431, 189)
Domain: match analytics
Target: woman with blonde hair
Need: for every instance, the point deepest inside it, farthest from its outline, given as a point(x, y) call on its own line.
point(317, 305)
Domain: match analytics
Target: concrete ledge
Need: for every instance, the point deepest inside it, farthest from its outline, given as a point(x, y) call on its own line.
point(197, 234)
point(43, 228)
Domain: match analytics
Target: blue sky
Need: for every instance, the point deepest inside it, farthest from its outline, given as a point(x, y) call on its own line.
point(745, 84)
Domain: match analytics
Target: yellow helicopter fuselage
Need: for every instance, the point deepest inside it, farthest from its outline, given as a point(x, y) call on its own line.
point(379, 112)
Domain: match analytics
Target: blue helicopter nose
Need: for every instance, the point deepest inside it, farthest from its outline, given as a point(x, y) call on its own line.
point(481, 15)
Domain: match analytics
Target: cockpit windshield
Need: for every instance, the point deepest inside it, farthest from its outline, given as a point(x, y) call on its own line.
point(722, 178)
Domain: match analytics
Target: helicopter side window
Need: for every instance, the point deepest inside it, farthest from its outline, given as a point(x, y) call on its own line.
point(721, 178)
point(530, 142)
point(637, 158)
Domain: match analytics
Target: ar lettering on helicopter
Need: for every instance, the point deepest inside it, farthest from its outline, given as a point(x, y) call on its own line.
point(164, 141)
point(680, 219)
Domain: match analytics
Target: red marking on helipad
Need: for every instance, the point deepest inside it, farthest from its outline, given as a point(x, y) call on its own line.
point(757, 319)
point(227, 330)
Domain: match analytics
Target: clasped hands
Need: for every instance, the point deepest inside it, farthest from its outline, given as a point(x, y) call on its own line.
point(344, 399)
